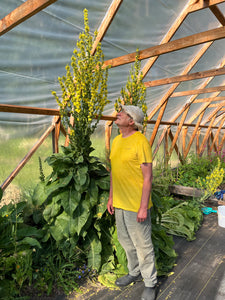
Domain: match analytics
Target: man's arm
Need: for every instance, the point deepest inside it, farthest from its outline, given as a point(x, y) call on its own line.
point(146, 190)
point(110, 201)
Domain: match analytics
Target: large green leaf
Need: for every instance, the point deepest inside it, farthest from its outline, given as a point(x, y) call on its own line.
point(94, 255)
point(82, 175)
point(104, 182)
point(70, 200)
point(51, 211)
point(120, 252)
point(102, 205)
point(81, 215)
point(93, 191)
point(64, 227)
point(39, 195)
point(24, 230)
point(30, 241)
point(53, 187)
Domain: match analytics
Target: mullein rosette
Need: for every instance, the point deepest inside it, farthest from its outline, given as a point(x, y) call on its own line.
point(84, 91)
point(135, 91)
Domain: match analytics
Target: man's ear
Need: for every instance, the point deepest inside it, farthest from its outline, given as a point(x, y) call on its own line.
point(131, 122)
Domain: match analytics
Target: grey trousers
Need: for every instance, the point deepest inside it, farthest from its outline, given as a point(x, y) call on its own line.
point(136, 240)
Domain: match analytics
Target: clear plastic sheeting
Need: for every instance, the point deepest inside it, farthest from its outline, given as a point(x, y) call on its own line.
point(35, 53)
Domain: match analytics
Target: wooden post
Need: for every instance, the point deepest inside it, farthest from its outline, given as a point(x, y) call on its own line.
point(55, 135)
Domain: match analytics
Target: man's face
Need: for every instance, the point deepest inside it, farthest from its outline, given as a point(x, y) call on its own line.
point(123, 119)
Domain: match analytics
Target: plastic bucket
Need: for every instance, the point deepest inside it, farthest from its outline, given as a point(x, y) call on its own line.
point(221, 216)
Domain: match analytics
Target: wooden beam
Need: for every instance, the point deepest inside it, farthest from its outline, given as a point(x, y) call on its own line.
point(215, 105)
point(222, 143)
point(218, 14)
point(210, 99)
point(28, 110)
point(193, 76)
point(178, 131)
point(22, 13)
point(213, 113)
point(170, 33)
point(204, 4)
point(187, 69)
point(158, 121)
point(217, 134)
point(106, 23)
point(27, 157)
point(205, 139)
point(193, 134)
point(55, 112)
point(182, 43)
point(199, 91)
point(198, 112)
point(175, 85)
point(55, 134)
point(176, 148)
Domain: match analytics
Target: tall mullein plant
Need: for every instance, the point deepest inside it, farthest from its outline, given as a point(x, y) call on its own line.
point(84, 91)
point(135, 91)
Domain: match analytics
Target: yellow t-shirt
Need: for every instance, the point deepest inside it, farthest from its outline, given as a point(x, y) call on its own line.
point(127, 155)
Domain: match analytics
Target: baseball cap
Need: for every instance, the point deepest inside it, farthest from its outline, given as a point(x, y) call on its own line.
point(135, 113)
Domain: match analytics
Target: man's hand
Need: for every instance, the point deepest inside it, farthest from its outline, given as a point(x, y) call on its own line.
point(142, 215)
point(110, 206)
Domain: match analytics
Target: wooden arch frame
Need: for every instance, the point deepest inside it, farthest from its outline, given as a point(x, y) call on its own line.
point(31, 7)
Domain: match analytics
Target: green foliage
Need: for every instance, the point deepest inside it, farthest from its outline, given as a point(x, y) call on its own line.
point(18, 243)
point(183, 219)
point(213, 180)
point(73, 201)
point(193, 168)
point(135, 92)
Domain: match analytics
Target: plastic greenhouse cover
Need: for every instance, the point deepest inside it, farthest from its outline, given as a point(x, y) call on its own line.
point(35, 53)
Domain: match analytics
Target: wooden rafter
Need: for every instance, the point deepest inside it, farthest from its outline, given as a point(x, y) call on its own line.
point(158, 122)
point(186, 151)
point(218, 14)
point(214, 105)
point(151, 61)
point(204, 4)
point(207, 134)
point(182, 43)
point(172, 89)
point(55, 112)
point(106, 23)
point(213, 113)
point(197, 57)
point(170, 33)
point(193, 76)
point(198, 112)
point(210, 99)
point(221, 143)
point(199, 91)
point(175, 147)
point(22, 13)
point(179, 128)
point(217, 134)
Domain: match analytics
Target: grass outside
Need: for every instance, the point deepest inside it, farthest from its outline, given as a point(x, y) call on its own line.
point(12, 151)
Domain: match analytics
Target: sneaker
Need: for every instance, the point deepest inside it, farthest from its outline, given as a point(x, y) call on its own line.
point(149, 293)
point(127, 279)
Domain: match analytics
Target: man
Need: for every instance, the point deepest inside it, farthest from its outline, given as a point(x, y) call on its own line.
point(130, 197)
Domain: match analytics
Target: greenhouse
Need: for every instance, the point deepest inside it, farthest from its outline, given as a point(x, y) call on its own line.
point(67, 67)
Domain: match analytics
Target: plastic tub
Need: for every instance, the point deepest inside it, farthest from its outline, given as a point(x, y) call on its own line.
point(221, 216)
